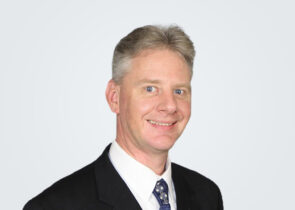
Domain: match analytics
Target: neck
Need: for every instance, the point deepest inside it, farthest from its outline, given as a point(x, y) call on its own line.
point(154, 160)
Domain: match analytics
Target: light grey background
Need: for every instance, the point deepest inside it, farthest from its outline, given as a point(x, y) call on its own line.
point(56, 61)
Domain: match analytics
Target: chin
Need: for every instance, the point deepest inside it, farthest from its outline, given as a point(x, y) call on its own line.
point(163, 143)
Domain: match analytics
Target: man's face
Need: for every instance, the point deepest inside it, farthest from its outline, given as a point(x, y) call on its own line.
point(154, 101)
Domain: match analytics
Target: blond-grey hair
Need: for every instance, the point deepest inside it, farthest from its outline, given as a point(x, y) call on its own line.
point(151, 37)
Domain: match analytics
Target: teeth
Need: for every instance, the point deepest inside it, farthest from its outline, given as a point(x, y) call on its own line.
point(159, 123)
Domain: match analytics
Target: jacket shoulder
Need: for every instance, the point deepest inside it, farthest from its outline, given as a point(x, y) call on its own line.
point(70, 192)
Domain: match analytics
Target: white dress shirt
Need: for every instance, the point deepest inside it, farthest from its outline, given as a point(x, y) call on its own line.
point(140, 179)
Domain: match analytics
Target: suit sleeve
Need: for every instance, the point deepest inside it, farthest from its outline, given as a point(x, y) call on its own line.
point(33, 205)
point(220, 201)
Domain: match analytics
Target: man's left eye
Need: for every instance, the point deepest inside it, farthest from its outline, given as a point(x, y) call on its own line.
point(178, 91)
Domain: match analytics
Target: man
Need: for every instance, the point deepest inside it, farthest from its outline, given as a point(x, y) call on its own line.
point(150, 93)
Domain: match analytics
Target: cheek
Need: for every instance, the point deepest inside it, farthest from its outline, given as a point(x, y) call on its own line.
point(185, 108)
point(141, 107)
point(146, 105)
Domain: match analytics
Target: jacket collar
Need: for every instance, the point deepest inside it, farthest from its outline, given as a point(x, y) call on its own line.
point(111, 189)
point(114, 193)
point(182, 189)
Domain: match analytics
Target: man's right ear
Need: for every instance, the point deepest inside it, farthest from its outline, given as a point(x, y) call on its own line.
point(112, 96)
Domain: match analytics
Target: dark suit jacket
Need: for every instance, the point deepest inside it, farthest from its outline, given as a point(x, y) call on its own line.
point(98, 186)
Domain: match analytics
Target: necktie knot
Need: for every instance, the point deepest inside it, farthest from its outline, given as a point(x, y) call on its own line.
point(161, 193)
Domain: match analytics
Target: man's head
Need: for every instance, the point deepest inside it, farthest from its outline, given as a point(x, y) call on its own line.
point(150, 89)
point(150, 37)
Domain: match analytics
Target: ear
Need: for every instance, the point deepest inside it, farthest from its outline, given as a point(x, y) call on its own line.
point(112, 96)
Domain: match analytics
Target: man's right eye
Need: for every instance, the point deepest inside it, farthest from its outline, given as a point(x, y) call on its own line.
point(150, 89)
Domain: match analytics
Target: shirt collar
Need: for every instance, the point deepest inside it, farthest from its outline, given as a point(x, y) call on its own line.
point(139, 178)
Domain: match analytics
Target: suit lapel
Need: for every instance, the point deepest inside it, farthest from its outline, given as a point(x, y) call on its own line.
point(183, 191)
point(112, 190)
point(113, 193)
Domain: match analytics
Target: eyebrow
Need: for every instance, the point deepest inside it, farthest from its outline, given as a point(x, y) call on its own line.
point(150, 81)
point(188, 87)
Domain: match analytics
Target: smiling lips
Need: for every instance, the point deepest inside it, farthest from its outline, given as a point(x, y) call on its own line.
point(161, 124)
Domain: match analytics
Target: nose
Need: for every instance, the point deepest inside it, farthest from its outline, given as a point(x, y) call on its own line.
point(167, 103)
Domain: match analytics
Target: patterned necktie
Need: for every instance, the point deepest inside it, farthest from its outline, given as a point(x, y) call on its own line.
point(161, 193)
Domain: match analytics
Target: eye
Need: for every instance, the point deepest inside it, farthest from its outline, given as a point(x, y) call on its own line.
point(178, 91)
point(150, 89)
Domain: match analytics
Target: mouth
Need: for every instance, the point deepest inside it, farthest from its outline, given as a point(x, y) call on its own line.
point(157, 123)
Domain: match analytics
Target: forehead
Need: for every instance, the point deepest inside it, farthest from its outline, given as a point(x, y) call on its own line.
point(159, 64)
